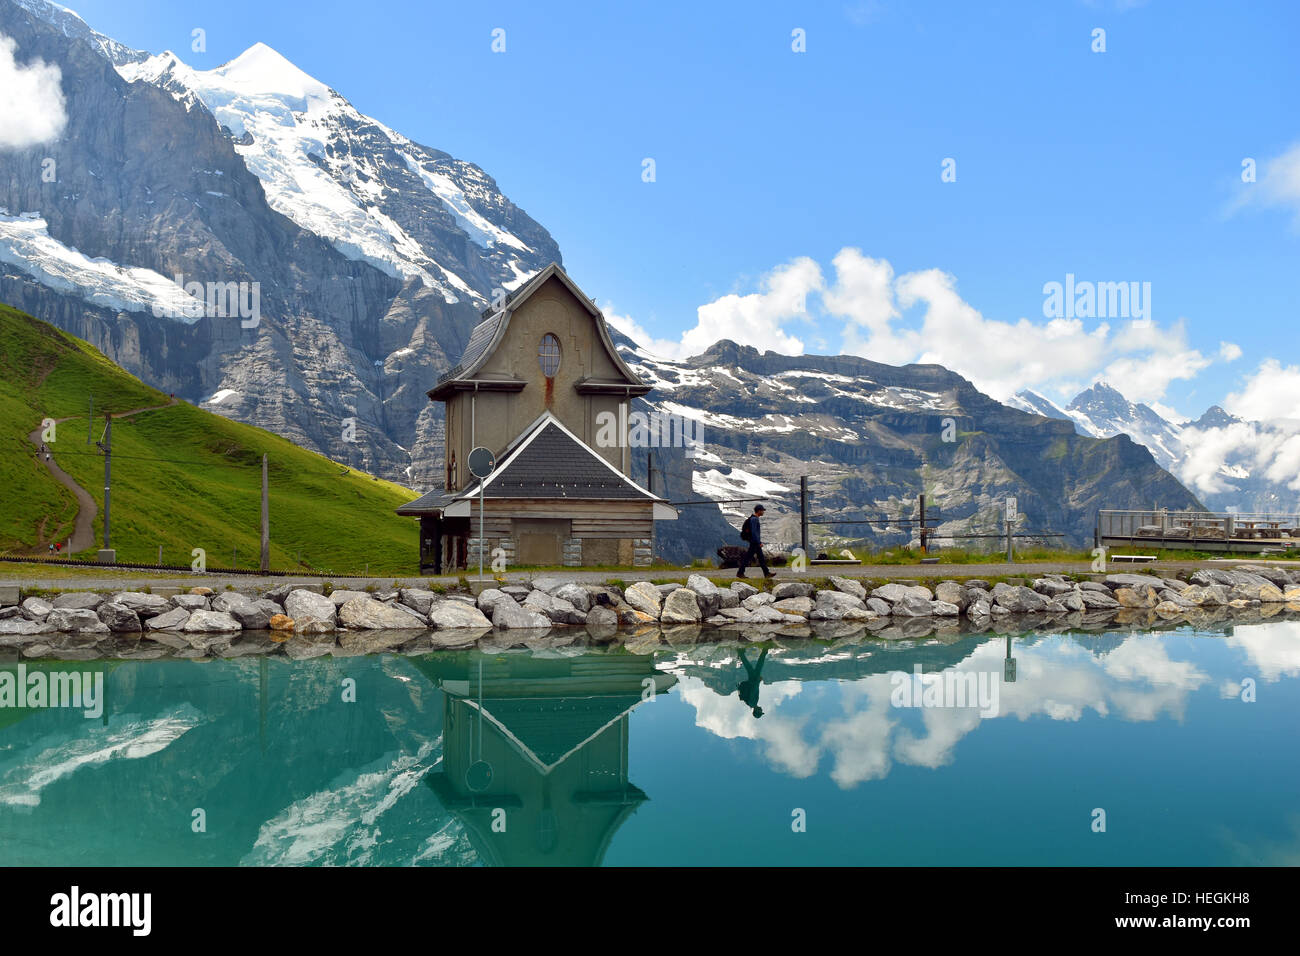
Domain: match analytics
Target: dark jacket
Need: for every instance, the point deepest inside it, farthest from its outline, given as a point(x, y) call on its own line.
point(755, 533)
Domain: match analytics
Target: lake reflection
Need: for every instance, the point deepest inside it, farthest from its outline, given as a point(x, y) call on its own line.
point(677, 753)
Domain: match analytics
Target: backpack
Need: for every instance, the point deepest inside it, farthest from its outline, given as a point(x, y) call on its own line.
point(744, 531)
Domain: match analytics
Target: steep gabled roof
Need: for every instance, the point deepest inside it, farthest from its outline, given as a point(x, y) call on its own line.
point(549, 461)
point(487, 335)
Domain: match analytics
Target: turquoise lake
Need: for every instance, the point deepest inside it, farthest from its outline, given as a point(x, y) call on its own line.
point(1185, 740)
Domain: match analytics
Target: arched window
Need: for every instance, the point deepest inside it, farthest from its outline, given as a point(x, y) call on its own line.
point(548, 354)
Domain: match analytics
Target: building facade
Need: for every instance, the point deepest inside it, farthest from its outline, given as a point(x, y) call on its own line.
point(541, 386)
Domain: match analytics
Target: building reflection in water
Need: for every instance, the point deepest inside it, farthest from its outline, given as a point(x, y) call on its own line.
point(535, 751)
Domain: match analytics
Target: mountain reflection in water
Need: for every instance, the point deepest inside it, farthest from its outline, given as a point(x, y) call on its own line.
point(582, 756)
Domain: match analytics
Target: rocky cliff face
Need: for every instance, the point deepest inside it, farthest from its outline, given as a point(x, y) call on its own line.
point(872, 437)
point(371, 255)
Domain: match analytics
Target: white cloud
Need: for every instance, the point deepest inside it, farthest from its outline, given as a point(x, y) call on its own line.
point(1279, 182)
point(1229, 351)
point(664, 348)
point(31, 100)
point(920, 317)
point(1272, 392)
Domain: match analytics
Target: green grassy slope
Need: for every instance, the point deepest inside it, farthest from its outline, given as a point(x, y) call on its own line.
point(183, 478)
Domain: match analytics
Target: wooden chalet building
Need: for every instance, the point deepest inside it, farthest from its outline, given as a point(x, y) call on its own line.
point(538, 385)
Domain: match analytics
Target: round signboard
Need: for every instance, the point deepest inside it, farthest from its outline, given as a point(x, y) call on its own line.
point(479, 776)
point(481, 462)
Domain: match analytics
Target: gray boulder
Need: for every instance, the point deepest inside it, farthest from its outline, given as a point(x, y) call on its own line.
point(878, 606)
point(799, 606)
point(254, 615)
point(644, 597)
point(556, 609)
point(418, 599)
point(143, 603)
point(78, 601)
point(1052, 587)
point(743, 590)
point(507, 615)
point(16, 632)
point(210, 622)
point(196, 602)
point(339, 597)
point(458, 614)
point(893, 593)
point(602, 624)
point(311, 612)
point(950, 592)
point(849, 586)
point(1098, 600)
point(35, 609)
point(575, 594)
point(1116, 581)
point(365, 613)
point(78, 620)
point(792, 589)
point(119, 618)
point(488, 598)
point(913, 605)
point(681, 607)
point(1020, 600)
point(834, 605)
point(1073, 601)
point(172, 620)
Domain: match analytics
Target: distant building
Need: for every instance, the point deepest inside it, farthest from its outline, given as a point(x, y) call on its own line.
point(538, 385)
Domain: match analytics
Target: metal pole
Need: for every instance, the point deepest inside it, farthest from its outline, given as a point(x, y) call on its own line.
point(266, 522)
point(108, 473)
point(160, 555)
point(1010, 547)
point(90, 422)
point(803, 514)
point(922, 500)
point(480, 529)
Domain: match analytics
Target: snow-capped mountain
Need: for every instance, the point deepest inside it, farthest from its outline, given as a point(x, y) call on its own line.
point(375, 195)
point(371, 255)
point(1229, 463)
point(871, 437)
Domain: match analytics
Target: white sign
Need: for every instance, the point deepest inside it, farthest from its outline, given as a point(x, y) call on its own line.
point(1011, 509)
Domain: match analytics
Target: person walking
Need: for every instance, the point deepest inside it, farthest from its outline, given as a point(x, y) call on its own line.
point(751, 532)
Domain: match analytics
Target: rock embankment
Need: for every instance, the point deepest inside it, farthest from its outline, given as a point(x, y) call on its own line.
point(305, 622)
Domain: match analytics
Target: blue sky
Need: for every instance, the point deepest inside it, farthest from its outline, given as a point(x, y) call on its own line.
point(1115, 166)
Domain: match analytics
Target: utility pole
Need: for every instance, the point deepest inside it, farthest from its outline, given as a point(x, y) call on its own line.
point(1012, 511)
point(922, 504)
point(803, 515)
point(106, 554)
point(266, 522)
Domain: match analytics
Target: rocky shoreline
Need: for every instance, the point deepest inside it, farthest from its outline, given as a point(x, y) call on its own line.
point(301, 621)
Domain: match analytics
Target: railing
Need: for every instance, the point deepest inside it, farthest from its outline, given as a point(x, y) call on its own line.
point(1195, 526)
